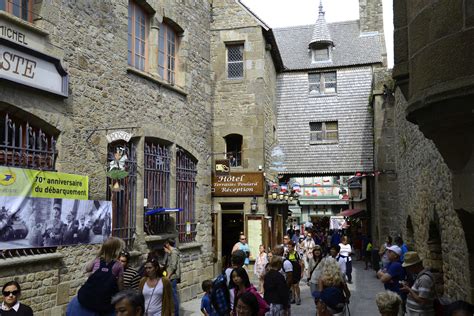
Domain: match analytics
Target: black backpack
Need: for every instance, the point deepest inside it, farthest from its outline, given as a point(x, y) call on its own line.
point(96, 294)
point(296, 269)
point(220, 297)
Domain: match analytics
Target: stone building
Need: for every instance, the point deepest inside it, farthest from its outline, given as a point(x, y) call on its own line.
point(79, 78)
point(324, 116)
point(428, 128)
point(244, 63)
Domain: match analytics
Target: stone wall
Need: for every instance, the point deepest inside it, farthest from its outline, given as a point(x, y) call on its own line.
point(423, 212)
point(91, 39)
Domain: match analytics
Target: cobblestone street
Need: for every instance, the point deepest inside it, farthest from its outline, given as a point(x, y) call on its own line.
point(363, 291)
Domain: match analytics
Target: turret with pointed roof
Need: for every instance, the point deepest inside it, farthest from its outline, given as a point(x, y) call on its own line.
point(321, 36)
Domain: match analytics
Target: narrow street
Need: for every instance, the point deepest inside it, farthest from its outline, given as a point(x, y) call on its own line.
point(363, 289)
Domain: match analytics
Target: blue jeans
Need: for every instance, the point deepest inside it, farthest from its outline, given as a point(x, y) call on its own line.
point(174, 285)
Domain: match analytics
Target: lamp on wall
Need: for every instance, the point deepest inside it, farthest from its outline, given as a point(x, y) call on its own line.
point(254, 205)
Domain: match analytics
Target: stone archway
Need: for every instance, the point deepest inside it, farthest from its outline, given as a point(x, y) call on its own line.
point(466, 220)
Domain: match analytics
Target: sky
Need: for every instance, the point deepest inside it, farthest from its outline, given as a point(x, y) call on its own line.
point(282, 13)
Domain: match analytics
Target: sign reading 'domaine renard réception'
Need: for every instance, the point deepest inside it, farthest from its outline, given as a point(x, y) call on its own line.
point(25, 66)
point(238, 184)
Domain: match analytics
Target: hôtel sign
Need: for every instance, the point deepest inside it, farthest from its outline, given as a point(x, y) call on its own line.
point(238, 184)
point(23, 65)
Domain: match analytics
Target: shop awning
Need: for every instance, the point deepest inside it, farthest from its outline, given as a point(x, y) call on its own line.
point(159, 210)
point(323, 202)
point(350, 212)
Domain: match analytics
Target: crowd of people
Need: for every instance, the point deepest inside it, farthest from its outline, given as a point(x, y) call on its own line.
point(113, 287)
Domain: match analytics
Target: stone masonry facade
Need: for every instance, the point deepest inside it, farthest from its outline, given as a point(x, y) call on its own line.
point(414, 199)
point(91, 39)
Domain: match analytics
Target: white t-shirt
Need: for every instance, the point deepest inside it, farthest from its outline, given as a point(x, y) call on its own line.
point(345, 251)
point(153, 299)
point(287, 267)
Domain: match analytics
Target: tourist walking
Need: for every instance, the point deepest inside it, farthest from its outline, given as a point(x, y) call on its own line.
point(277, 293)
point(345, 252)
point(131, 278)
point(308, 246)
point(157, 290)
point(240, 284)
point(243, 245)
point(331, 276)
point(259, 267)
point(314, 262)
point(11, 305)
point(237, 261)
point(298, 267)
point(105, 280)
point(247, 305)
point(173, 270)
point(206, 305)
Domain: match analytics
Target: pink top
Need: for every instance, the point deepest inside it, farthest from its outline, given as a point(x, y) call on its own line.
point(117, 268)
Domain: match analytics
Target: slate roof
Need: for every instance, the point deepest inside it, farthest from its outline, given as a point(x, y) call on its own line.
point(321, 35)
point(350, 47)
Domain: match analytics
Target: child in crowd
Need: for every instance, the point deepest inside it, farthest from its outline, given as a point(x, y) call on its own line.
point(206, 306)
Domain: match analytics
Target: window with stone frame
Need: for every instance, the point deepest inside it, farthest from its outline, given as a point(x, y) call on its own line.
point(22, 9)
point(186, 173)
point(233, 144)
point(320, 54)
point(123, 193)
point(157, 186)
point(235, 61)
point(167, 51)
point(25, 145)
point(322, 83)
point(137, 36)
point(323, 132)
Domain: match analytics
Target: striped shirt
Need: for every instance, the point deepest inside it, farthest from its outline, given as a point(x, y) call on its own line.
point(423, 287)
point(131, 278)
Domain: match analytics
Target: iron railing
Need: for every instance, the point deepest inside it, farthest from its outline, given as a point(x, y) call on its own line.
point(25, 146)
point(124, 201)
point(186, 172)
point(157, 186)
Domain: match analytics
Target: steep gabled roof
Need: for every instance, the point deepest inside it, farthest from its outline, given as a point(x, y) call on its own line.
point(350, 46)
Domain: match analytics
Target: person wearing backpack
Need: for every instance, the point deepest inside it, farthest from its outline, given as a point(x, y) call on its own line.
point(94, 297)
point(237, 260)
point(298, 268)
point(240, 284)
point(421, 295)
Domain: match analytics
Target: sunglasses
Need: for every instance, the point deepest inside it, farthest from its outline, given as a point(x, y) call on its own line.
point(125, 253)
point(8, 293)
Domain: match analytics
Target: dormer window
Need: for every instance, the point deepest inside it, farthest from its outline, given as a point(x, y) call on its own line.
point(320, 54)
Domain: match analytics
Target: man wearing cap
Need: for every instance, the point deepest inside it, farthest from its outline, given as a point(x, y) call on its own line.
point(329, 301)
point(393, 272)
point(422, 294)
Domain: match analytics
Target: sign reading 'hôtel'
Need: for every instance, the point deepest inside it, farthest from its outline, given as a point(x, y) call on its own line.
point(23, 65)
point(238, 184)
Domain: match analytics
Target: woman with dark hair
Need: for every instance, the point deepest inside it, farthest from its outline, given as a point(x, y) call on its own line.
point(157, 290)
point(247, 305)
point(240, 284)
point(314, 274)
point(11, 292)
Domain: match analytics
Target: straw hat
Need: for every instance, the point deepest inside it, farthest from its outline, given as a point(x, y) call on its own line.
point(411, 258)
